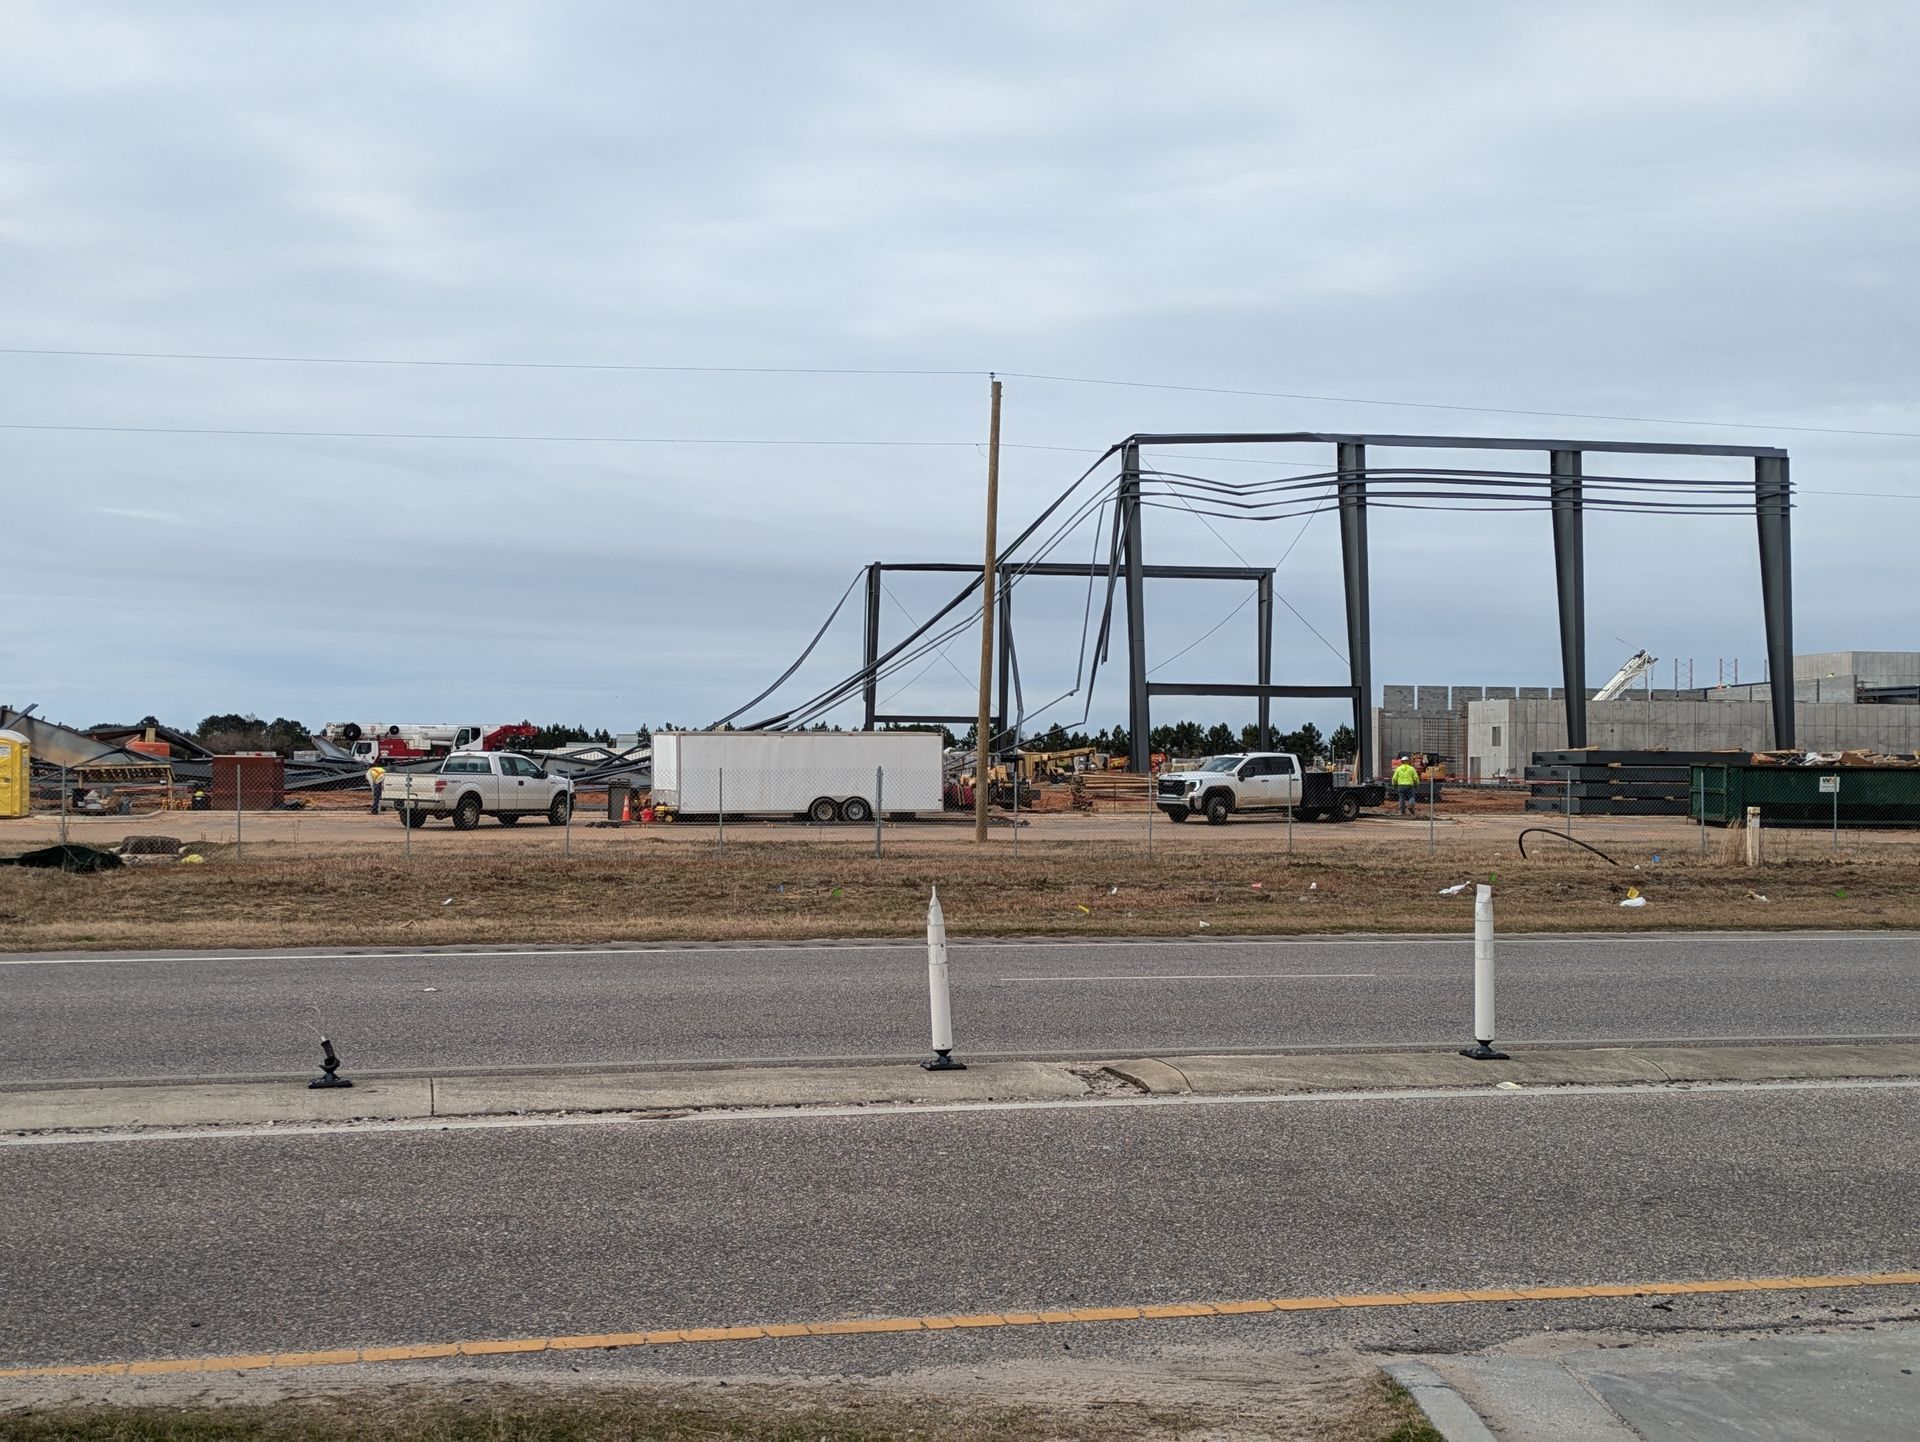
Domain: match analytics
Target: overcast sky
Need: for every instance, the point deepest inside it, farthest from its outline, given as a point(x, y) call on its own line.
point(1708, 213)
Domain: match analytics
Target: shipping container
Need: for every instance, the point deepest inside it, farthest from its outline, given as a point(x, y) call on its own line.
point(819, 775)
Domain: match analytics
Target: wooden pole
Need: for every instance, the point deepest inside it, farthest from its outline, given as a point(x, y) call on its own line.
point(990, 584)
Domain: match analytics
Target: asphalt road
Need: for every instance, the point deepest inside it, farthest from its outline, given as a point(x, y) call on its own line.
point(171, 1247)
point(260, 1014)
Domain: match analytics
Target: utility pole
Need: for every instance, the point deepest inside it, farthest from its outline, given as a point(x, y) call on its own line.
point(990, 581)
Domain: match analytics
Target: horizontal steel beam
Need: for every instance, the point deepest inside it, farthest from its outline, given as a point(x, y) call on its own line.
point(1202, 688)
point(1081, 570)
point(1455, 443)
point(968, 720)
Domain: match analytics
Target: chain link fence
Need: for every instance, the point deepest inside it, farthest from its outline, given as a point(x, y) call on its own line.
point(707, 811)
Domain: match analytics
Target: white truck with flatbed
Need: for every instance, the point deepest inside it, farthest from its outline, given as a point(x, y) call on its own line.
point(818, 776)
point(1262, 781)
point(470, 784)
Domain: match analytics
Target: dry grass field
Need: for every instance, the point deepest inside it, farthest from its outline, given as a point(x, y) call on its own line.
point(514, 885)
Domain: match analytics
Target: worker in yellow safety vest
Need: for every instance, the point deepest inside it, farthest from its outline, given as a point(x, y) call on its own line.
point(375, 775)
point(1406, 781)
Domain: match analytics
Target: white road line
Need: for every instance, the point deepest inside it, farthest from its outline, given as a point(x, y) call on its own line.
point(663, 1116)
point(1518, 938)
point(1206, 976)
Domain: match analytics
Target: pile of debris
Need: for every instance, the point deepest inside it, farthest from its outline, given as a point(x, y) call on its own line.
point(1832, 760)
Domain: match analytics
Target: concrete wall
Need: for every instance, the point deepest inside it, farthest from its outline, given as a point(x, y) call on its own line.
point(1524, 727)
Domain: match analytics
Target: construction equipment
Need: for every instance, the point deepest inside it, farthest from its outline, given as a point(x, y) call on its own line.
point(1638, 664)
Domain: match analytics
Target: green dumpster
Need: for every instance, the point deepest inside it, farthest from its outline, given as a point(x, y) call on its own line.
point(1792, 796)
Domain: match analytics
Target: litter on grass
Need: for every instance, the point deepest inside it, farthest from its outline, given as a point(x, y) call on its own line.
point(1454, 890)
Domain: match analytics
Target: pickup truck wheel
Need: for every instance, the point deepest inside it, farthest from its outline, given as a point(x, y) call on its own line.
point(507, 818)
point(466, 813)
point(1219, 808)
point(1306, 813)
point(1175, 814)
point(856, 810)
point(824, 810)
point(1347, 808)
point(558, 812)
point(412, 816)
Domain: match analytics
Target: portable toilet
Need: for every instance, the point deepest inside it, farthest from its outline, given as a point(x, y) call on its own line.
point(15, 773)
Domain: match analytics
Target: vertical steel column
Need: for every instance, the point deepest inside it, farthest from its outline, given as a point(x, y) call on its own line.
point(1773, 504)
point(870, 682)
point(1263, 671)
point(1139, 713)
point(1570, 572)
point(1353, 557)
point(1003, 725)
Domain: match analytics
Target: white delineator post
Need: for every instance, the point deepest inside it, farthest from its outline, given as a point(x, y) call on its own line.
point(937, 1000)
point(1482, 1048)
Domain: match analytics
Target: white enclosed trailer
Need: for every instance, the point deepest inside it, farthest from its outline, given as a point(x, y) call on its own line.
point(820, 775)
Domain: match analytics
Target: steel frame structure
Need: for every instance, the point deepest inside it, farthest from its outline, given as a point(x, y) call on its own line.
point(1009, 571)
point(1772, 504)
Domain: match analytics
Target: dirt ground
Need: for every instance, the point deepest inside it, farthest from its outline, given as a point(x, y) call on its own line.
point(1334, 1396)
point(348, 879)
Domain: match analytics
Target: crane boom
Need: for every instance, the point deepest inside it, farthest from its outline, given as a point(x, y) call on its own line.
point(1638, 664)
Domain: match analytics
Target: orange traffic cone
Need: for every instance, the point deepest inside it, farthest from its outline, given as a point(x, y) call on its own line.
point(626, 808)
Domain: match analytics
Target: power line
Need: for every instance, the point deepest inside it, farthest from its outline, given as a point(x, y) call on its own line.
point(319, 360)
point(485, 436)
point(1443, 406)
point(952, 372)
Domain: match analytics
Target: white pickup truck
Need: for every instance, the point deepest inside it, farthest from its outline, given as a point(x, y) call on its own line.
point(1261, 781)
point(472, 784)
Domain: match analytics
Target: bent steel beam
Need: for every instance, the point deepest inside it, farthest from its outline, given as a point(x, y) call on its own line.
point(1773, 504)
point(1570, 576)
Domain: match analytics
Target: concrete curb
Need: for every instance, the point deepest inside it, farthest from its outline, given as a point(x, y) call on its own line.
point(1451, 1415)
point(197, 1104)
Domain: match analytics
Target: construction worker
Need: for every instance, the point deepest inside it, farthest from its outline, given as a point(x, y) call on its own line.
point(1406, 780)
point(376, 774)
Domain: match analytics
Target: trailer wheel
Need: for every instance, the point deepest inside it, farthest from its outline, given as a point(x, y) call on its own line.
point(856, 810)
point(824, 811)
point(1219, 808)
point(1347, 807)
point(1175, 814)
point(466, 813)
point(560, 810)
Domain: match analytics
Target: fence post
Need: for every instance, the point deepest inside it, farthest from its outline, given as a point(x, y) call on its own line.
point(566, 842)
point(1432, 786)
point(65, 800)
point(239, 795)
point(406, 846)
point(1568, 772)
point(879, 799)
point(1152, 796)
point(1014, 776)
point(939, 1004)
point(720, 804)
point(1753, 836)
point(1482, 1048)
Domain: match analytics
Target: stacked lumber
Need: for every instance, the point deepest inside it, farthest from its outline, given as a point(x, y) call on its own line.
point(1111, 791)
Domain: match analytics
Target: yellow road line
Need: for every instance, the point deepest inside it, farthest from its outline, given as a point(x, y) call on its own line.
point(869, 1326)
